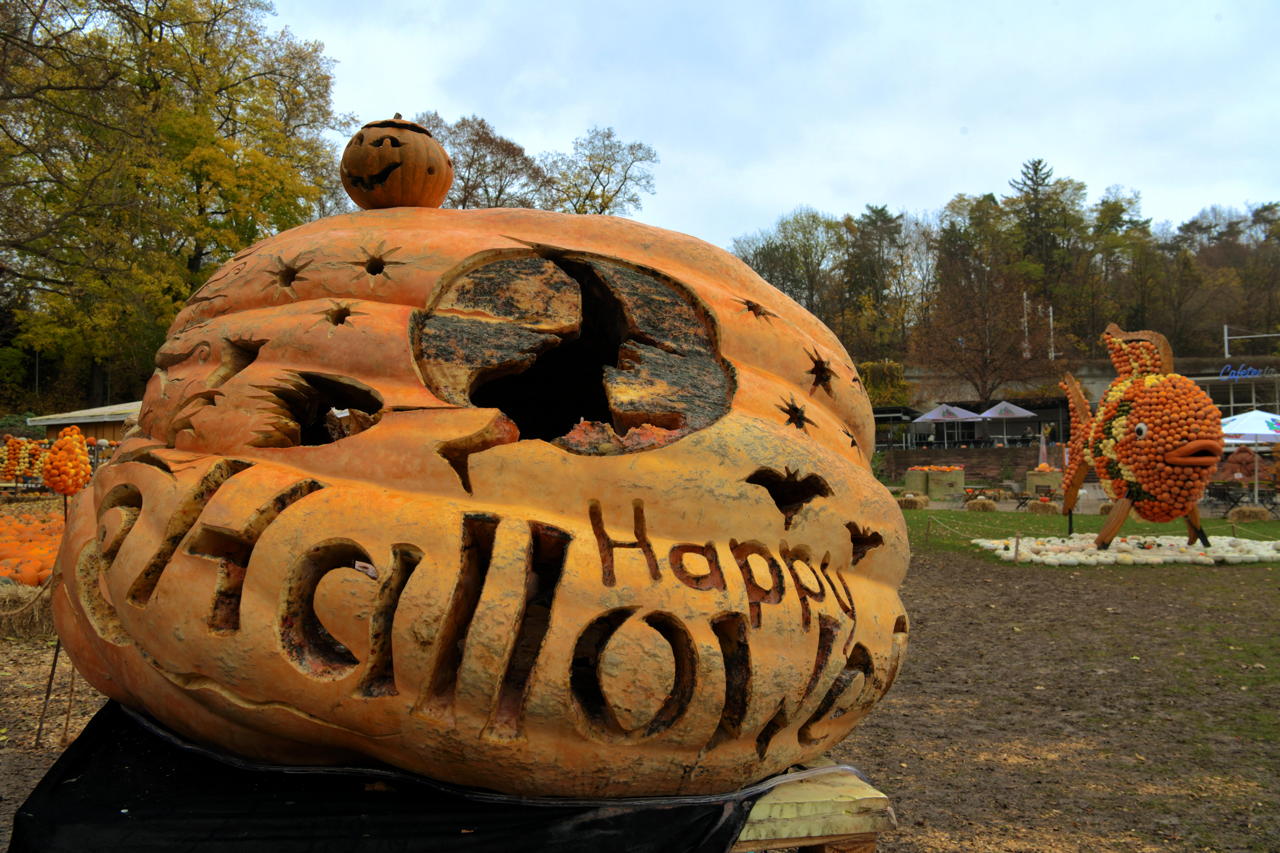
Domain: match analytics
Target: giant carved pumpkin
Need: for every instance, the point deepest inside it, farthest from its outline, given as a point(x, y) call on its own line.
point(528, 501)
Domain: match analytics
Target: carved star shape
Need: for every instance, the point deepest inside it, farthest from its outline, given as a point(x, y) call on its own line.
point(338, 314)
point(821, 372)
point(795, 415)
point(376, 262)
point(757, 310)
point(286, 274)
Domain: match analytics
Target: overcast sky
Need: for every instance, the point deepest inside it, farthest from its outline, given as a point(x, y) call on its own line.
point(757, 108)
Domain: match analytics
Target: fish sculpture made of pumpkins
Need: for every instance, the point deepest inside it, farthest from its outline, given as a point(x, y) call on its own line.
point(1155, 440)
point(541, 503)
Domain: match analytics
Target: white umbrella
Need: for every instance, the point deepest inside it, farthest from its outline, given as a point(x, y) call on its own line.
point(947, 414)
point(1005, 411)
point(1255, 427)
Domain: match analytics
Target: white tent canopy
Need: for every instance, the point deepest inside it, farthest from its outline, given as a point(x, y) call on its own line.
point(948, 413)
point(945, 414)
point(1006, 411)
point(1256, 427)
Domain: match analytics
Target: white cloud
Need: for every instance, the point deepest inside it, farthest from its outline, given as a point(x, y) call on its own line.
point(757, 110)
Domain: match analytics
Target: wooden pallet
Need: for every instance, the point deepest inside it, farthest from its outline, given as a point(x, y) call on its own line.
point(835, 812)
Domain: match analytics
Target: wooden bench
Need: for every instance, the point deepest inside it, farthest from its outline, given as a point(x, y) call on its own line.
point(835, 812)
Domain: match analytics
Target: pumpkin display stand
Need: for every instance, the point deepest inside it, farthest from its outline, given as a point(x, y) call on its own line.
point(126, 784)
point(549, 505)
point(944, 485)
point(1052, 480)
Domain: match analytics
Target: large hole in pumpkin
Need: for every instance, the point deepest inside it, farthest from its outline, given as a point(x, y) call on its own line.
point(327, 408)
point(591, 354)
point(565, 384)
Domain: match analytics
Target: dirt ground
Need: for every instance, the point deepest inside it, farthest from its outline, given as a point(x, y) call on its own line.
point(1056, 710)
point(1039, 710)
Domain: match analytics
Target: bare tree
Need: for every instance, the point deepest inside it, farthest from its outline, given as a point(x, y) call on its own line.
point(489, 170)
point(604, 174)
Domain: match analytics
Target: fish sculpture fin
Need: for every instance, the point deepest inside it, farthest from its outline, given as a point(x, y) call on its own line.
point(1138, 352)
point(1073, 473)
point(1194, 530)
point(1110, 527)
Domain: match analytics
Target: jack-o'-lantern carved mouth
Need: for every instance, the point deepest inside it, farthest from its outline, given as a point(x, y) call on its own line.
point(370, 182)
point(591, 355)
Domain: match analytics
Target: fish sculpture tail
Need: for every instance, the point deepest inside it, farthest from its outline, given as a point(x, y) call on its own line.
point(1142, 353)
point(1077, 466)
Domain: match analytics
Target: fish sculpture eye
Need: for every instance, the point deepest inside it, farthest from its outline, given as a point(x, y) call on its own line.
point(1140, 430)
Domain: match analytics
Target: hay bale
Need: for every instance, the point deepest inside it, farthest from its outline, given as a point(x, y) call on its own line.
point(25, 612)
point(1044, 508)
point(1105, 508)
point(914, 502)
point(1248, 513)
point(980, 505)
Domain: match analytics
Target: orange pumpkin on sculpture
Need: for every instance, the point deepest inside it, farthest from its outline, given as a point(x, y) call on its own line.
point(510, 498)
point(396, 163)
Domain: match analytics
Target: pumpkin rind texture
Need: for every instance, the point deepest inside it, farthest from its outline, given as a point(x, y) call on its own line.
point(509, 498)
point(395, 163)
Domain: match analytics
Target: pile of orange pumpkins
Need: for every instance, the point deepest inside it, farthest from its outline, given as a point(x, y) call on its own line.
point(28, 546)
point(939, 468)
point(66, 466)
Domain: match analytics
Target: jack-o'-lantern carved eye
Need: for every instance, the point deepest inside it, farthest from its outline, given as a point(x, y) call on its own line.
point(578, 350)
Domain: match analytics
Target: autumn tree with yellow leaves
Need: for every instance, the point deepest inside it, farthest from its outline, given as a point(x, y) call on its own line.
point(142, 143)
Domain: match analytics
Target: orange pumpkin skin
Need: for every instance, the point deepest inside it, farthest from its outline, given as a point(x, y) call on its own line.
point(395, 163)
point(696, 584)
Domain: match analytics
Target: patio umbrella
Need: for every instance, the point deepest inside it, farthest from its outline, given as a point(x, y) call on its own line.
point(1004, 411)
point(947, 414)
point(1256, 427)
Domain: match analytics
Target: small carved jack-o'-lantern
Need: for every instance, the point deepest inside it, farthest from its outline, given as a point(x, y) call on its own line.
point(396, 163)
point(510, 498)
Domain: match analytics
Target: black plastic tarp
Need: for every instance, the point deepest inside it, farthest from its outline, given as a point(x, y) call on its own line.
point(127, 785)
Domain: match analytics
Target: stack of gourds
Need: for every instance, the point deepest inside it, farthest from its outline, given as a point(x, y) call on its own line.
point(12, 447)
point(66, 466)
point(35, 452)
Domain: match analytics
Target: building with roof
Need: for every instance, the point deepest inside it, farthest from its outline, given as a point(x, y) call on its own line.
point(109, 422)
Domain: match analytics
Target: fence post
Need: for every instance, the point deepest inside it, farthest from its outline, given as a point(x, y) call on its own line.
point(1017, 544)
